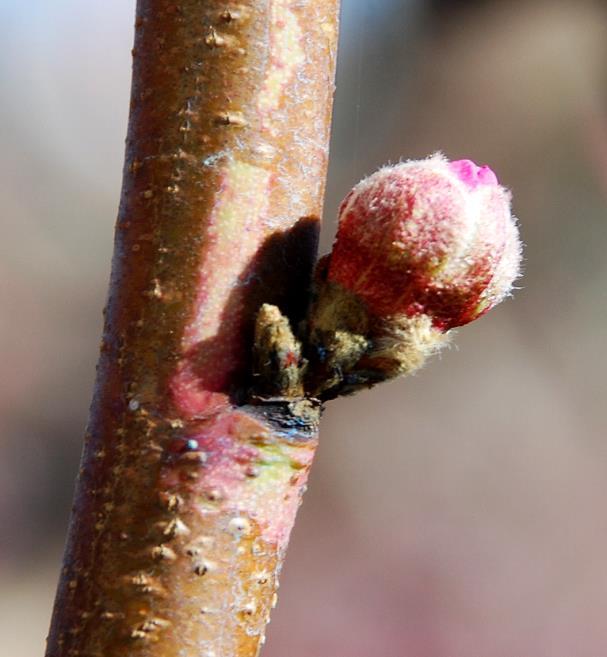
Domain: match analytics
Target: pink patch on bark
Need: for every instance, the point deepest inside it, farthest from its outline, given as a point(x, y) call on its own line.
point(230, 460)
point(473, 175)
point(228, 457)
point(193, 395)
point(231, 472)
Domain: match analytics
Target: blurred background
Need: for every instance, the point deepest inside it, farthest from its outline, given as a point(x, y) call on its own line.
point(468, 518)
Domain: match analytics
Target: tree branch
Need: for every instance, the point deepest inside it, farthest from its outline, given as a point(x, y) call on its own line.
point(189, 481)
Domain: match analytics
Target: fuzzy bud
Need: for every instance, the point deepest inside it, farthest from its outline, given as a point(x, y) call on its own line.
point(421, 247)
point(428, 237)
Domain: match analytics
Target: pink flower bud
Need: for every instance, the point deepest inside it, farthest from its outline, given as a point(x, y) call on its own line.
point(427, 237)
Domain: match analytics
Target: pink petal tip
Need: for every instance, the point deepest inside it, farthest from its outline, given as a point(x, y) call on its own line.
point(473, 175)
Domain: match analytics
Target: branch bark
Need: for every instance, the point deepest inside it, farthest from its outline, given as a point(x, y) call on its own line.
point(190, 481)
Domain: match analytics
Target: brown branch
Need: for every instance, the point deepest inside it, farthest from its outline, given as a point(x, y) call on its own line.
point(189, 483)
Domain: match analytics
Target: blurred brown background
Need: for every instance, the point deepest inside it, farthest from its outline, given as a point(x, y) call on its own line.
point(459, 513)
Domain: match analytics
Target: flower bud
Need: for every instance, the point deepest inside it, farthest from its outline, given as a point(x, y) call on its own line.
point(428, 237)
point(421, 247)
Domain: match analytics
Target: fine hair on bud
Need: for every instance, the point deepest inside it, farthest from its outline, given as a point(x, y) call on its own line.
point(421, 248)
